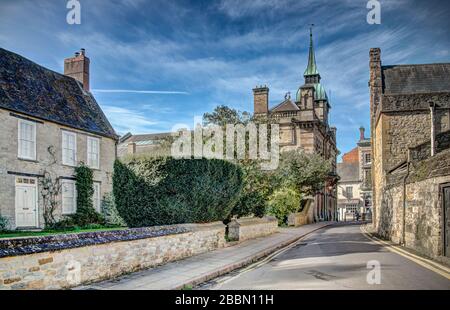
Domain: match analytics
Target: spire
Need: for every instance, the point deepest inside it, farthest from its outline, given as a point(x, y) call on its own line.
point(312, 67)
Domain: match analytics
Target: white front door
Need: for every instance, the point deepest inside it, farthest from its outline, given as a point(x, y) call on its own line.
point(26, 202)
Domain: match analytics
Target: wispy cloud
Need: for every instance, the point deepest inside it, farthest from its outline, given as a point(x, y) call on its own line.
point(188, 56)
point(128, 120)
point(131, 91)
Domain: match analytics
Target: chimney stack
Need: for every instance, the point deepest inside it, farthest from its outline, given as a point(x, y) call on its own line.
point(77, 67)
point(362, 130)
point(261, 100)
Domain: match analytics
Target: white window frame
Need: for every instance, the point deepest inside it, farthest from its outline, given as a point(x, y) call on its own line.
point(19, 138)
point(89, 152)
point(74, 210)
point(97, 197)
point(74, 135)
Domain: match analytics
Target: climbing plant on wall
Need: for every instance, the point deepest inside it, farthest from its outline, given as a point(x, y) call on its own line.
point(86, 213)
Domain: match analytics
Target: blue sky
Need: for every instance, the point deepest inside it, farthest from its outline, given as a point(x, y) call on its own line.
point(214, 52)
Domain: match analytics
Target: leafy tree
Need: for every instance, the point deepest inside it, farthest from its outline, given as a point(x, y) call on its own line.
point(223, 115)
point(307, 173)
point(283, 202)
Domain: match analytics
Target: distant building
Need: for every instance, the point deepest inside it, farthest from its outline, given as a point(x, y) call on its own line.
point(355, 184)
point(146, 144)
point(49, 122)
point(410, 128)
point(304, 125)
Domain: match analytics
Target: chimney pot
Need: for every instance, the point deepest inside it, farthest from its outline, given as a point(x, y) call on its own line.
point(362, 133)
point(78, 68)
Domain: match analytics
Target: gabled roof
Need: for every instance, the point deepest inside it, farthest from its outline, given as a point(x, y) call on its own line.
point(30, 89)
point(285, 106)
point(416, 79)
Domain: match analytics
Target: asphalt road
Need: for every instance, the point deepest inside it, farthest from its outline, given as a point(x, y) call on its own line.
point(333, 258)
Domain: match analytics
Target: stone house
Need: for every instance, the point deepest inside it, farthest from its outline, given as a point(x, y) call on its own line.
point(49, 124)
point(304, 125)
point(410, 127)
point(355, 183)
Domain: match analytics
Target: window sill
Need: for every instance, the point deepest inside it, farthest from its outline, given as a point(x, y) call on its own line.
point(69, 165)
point(28, 160)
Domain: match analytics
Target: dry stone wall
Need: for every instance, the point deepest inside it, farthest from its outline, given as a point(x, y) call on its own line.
point(76, 263)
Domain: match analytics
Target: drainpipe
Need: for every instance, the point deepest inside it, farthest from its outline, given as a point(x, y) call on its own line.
point(404, 201)
point(433, 130)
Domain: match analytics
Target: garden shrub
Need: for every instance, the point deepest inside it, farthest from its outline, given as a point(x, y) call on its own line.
point(163, 191)
point(284, 202)
point(110, 213)
point(258, 186)
point(4, 224)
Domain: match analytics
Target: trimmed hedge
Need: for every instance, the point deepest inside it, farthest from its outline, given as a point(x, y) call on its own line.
point(164, 191)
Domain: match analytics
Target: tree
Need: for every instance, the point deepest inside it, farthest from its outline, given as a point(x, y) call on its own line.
point(283, 202)
point(223, 115)
point(307, 173)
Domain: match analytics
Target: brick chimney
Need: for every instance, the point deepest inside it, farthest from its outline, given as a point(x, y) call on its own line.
point(77, 67)
point(261, 100)
point(362, 130)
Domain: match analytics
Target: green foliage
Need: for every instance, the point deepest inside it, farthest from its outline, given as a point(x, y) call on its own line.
point(162, 191)
point(223, 115)
point(86, 213)
point(4, 223)
point(284, 202)
point(258, 186)
point(110, 213)
point(306, 173)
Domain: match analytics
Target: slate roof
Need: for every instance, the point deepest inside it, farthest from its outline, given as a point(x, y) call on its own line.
point(349, 172)
point(416, 79)
point(31, 89)
point(145, 138)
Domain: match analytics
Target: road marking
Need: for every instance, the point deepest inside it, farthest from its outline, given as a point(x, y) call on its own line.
point(266, 259)
point(424, 262)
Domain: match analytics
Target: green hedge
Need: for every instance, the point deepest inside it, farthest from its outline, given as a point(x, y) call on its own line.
point(163, 191)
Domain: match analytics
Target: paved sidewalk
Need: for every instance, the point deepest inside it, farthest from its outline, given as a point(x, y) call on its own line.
point(200, 268)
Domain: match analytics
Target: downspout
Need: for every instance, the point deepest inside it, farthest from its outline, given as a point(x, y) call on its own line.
point(404, 200)
point(433, 130)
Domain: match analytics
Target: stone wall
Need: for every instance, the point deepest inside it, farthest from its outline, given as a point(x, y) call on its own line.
point(423, 223)
point(302, 218)
point(47, 134)
point(249, 228)
point(415, 193)
point(130, 251)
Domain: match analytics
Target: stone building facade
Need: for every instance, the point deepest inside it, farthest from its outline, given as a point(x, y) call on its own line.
point(355, 183)
point(49, 124)
point(410, 123)
point(304, 125)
